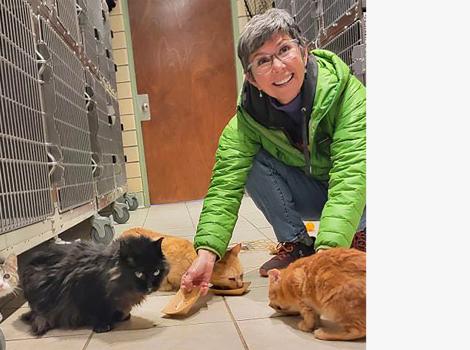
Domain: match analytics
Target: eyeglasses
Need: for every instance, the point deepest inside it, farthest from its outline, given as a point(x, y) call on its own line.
point(264, 64)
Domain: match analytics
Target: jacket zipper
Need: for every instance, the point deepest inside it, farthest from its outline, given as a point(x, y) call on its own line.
point(306, 152)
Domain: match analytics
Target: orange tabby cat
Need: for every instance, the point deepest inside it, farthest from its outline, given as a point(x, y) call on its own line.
point(332, 284)
point(180, 254)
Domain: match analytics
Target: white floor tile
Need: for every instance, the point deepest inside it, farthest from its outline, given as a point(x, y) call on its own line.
point(14, 328)
point(165, 216)
point(246, 235)
point(178, 232)
point(209, 326)
point(282, 333)
point(209, 309)
point(253, 304)
point(268, 232)
point(119, 229)
point(254, 277)
point(250, 212)
point(253, 259)
point(208, 336)
point(49, 343)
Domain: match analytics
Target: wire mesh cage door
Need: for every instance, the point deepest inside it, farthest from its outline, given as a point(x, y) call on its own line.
point(120, 165)
point(104, 139)
point(70, 120)
point(335, 25)
point(284, 4)
point(67, 15)
point(344, 43)
point(333, 10)
point(307, 14)
point(256, 7)
point(25, 189)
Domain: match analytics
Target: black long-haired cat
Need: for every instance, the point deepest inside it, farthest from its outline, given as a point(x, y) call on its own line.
point(87, 284)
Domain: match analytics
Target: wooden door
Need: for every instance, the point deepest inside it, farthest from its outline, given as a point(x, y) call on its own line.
point(184, 60)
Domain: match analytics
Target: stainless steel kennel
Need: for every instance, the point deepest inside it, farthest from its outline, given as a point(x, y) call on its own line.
point(61, 154)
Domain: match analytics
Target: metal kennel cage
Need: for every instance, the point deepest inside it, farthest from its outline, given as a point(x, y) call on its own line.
point(335, 25)
point(58, 155)
point(68, 110)
point(25, 195)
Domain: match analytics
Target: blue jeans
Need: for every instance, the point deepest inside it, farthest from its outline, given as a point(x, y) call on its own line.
point(287, 196)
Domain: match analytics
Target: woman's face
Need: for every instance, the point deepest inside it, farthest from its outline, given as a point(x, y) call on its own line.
point(284, 80)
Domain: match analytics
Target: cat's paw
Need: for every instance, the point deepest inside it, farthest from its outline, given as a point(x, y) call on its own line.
point(37, 331)
point(119, 316)
point(321, 334)
point(27, 317)
point(102, 328)
point(304, 326)
point(40, 326)
point(166, 287)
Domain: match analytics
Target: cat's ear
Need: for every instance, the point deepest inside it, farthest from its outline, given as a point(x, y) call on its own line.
point(123, 247)
point(158, 245)
point(236, 249)
point(274, 275)
point(12, 261)
point(124, 252)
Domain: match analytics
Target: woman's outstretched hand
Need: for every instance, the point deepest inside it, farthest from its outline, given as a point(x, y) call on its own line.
point(199, 273)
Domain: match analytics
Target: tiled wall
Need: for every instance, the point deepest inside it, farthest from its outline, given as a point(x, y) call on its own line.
point(126, 104)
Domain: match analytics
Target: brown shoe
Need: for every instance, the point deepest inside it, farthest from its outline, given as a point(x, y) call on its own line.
point(359, 240)
point(287, 252)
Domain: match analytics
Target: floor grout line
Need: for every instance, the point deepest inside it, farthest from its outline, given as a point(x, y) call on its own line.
point(239, 331)
point(269, 238)
point(32, 337)
point(87, 341)
point(146, 216)
point(189, 213)
point(265, 318)
point(119, 330)
point(256, 287)
point(258, 228)
point(172, 325)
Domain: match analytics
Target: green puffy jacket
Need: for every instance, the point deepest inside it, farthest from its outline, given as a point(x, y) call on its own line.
point(337, 145)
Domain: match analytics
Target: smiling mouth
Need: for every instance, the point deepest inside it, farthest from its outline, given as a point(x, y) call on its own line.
point(285, 81)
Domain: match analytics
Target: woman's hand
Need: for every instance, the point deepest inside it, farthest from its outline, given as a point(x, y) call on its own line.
point(199, 273)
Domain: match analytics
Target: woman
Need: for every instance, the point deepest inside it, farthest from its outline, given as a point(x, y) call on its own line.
point(298, 145)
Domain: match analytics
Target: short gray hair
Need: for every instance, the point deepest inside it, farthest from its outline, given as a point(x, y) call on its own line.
point(262, 27)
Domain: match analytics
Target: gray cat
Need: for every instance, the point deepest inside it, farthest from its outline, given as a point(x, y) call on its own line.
point(8, 284)
point(8, 276)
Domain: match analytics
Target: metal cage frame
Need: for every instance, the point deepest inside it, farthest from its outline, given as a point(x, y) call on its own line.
point(51, 140)
point(335, 25)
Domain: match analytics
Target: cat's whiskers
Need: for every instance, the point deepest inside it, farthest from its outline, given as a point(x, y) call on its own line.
point(16, 291)
point(114, 273)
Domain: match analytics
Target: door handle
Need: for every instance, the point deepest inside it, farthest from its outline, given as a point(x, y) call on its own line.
point(143, 101)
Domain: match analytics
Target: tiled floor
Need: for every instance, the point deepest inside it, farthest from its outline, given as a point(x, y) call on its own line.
point(234, 322)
